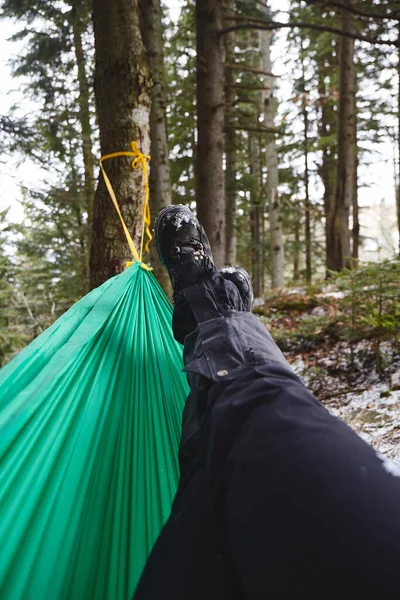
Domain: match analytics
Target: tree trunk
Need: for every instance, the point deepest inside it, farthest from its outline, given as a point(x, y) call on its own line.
point(122, 90)
point(78, 210)
point(160, 175)
point(307, 204)
point(256, 214)
point(78, 27)
point(230, 142)
point(275, 218)
point(398, 142)
point(296, 252)
point(356, 216)
point(345, 181)
point(328, 128)
point(210, 192)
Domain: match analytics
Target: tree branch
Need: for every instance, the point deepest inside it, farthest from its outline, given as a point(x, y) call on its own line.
point(30, 313)
point(255, 129)
point(250, 69)
point(352, 9)
point(241, 86)
point(264, 24)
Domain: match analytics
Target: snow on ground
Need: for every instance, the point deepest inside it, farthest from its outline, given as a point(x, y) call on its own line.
point(358, 380)
point(374, 412)
point(374, 416)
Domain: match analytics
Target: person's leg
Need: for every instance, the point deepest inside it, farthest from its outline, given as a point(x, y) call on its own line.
point(186, 562)
point(305, 506)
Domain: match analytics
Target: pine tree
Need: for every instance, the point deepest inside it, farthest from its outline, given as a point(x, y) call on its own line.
point(210, 186)
point(60, 132)
point(181, 108)
point(160, 175)
point(230, 140)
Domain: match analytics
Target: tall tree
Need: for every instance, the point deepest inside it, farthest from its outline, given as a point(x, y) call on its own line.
point(160, 175)
point(54, 66)
point(79, 22)
point(181, 82)
point(398, 140)
point(274, 201)
point(306, 147)
point(327, 86)
point(347, 164)
point(256, 212)
point(230, 139)
point(210, 187)
point(123, 91)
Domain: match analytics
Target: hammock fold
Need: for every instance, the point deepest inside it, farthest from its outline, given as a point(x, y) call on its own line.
point(90, 420)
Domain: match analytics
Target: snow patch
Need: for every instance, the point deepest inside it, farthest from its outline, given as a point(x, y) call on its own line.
point(178, 220)
point(376, 419)
point(391, 466)
point(337, 295)
point(141, 117)
point(258, 302)
point(300, 290)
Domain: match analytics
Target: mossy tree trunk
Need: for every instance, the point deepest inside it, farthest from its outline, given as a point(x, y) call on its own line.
point(122, 90)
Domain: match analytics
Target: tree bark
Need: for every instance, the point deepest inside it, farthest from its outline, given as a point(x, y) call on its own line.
point(345, 188)
point(328, 169)
point(230, 142)
point(307, 204)
point(210, 192)
point(296, 252)
point(256, 214)
point(398, 142)
point(160, 175)
point(122, 90)
point(355, 233)
point(78, 27)
point(274, 203)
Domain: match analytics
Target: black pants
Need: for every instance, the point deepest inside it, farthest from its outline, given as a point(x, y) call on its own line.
point(283, 500)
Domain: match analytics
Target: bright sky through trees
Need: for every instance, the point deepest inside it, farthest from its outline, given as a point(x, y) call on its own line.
point(376, 179)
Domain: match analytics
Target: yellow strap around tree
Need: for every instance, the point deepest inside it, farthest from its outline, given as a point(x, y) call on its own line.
point(140, 159)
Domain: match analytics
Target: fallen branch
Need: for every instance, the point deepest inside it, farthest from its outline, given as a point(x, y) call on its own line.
point(343, 393)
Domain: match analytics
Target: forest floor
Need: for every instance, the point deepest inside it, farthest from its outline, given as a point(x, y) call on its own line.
point(357, 378)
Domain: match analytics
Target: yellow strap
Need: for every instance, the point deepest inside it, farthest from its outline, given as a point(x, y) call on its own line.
point(140, 159)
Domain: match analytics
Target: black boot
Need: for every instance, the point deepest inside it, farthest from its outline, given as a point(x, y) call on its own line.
point(242, 281)
point(219, 336)
point(185, 251)
point(183, 247)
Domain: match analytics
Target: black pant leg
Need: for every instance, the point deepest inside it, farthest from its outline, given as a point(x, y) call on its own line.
point(307, 509)
point(187, 562)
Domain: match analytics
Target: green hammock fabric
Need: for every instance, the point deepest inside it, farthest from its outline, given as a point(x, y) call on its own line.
point(90, 418)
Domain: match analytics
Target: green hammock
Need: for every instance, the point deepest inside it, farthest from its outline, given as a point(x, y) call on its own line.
point(90, 418)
